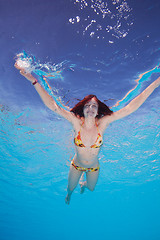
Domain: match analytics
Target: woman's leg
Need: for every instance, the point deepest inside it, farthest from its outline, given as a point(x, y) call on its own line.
point(91, 181)
point(73, 179)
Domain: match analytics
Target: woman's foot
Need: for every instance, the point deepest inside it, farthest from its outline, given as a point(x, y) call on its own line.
point(83, 186)
point(67, 199)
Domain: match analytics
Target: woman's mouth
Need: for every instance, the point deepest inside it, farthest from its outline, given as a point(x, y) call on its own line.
point(89, 112)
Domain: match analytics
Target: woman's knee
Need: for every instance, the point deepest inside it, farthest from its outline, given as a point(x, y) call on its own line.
point(91, 188)
point(92, 180)
point(71, 188)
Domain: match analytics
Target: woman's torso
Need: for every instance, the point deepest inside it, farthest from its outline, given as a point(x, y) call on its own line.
point(88, 144)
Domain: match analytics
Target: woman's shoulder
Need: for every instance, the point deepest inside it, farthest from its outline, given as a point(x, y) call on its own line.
point(77, 123)
point(103, 122)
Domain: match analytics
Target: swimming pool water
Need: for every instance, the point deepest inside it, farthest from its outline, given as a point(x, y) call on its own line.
point(36, 145)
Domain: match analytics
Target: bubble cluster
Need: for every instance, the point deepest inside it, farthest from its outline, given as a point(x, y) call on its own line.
point(103, 19)
point(25, 62)
point(29, 64)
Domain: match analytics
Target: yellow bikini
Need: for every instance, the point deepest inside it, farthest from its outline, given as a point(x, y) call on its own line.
point(83, 169)
point(78, 142)
point(98, 143)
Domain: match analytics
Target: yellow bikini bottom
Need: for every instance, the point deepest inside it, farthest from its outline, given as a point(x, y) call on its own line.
point(84, 169)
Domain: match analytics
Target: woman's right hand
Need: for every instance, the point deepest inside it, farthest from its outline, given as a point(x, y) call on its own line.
point(28, 76)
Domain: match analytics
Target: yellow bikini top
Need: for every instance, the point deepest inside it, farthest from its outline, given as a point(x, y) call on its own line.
point(98, 143)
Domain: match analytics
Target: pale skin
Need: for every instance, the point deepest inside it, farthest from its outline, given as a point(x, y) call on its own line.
point(86, 156)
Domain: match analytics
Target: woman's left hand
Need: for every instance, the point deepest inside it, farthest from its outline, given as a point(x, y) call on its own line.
point(28, 76)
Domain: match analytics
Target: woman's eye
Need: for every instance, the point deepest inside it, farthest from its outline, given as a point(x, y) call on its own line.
point(94, 106)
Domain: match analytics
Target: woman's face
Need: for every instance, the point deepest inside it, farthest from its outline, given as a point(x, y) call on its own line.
point(90, 108)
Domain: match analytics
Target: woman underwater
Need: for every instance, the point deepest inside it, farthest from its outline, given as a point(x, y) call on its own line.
point(89, 119)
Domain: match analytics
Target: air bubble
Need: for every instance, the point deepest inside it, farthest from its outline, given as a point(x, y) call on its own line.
point(103, 12)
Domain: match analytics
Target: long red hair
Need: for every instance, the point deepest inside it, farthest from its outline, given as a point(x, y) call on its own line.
point(103, 109)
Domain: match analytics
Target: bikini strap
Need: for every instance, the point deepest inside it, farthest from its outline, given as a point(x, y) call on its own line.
point(97, 127)
point(81, 126)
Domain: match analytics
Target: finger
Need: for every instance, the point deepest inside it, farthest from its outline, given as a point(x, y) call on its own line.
point(22, 72)
point(17, 66)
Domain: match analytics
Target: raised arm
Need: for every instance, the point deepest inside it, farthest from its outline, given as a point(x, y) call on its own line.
point(133, 105)
point(46, 98)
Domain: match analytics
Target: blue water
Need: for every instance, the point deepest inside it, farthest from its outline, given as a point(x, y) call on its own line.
point(107, 48)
